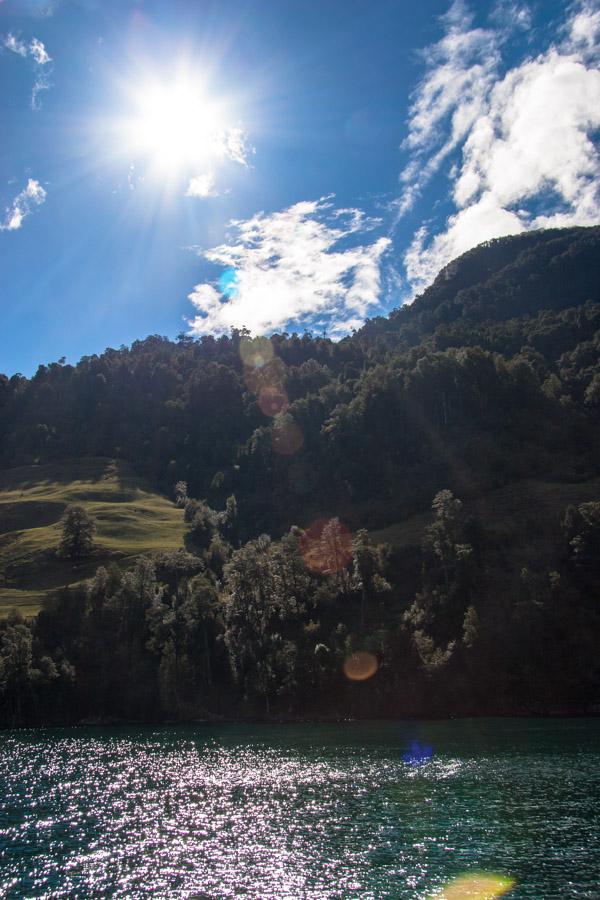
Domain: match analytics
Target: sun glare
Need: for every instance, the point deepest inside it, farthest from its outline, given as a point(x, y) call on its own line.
point(174, 126)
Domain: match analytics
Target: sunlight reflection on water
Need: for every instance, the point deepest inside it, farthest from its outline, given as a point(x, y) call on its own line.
point(303, 812)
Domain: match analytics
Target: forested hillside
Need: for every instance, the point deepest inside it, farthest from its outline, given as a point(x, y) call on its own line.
point(404, 522)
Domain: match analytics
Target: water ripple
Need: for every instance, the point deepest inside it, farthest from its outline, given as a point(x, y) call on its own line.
point(314, 812)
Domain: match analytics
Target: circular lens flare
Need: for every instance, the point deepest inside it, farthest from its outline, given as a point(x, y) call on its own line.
point(286, 436)
point(264, 373)
point(255, 352)
point(326, 546)
point(273, 401)
point(360, 666)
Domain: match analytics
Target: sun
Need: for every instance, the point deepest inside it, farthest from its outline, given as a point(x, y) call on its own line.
point(173, 125)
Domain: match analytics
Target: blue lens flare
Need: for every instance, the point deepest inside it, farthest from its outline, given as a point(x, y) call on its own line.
point(229, 283)
point(417, 754)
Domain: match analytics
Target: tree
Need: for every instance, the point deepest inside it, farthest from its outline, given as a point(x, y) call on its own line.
point(78, 530)
point(437, 614)
point(181, 494)
point(20, 679)
point(582, 529)
point(367, 575)
point(203, 522)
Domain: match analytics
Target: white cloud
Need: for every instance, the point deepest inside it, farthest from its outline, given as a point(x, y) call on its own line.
point(584, 28)
point(41, 60)
point(529, 158)
point(202, 186)
point(13, 44)
point(32, 195)
point(39, 52)
point(236, 147)
point(448, 100)
point(510, 14)
point(289, 266)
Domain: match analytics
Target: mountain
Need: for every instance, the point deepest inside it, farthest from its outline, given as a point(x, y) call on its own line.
point(462, 431)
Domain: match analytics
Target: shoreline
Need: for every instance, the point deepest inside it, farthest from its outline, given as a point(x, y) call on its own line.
point(296, 720)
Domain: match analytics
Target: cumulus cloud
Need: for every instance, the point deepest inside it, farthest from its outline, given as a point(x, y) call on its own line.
point(287, 268)
point(32, 195)
point(584, 28)
point(528, 154)
point(41, 62)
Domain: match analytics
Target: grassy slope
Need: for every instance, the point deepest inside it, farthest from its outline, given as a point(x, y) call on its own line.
point(131, 520)
point(524, 516)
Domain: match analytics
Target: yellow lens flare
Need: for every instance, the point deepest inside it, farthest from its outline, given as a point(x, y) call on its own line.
point(256, 352)
point(475, 886)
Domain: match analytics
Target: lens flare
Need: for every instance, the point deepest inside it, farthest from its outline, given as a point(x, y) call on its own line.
point(360, 666)
point(229, 284)
point(475, 886)
point(286, 436)
point(273, 401)
point(255, 352)
point(419, 753)
point(270, 374)
point(326, 546)
point(174, 123)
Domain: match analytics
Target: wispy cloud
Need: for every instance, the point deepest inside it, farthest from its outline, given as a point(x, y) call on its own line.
point(236, 146)
point(461, 69)
point(42, 60)
point(310, 260)
point(227, 144)
point(526, 135)
point(202, 186)
point(32, 195)
point(12, 43)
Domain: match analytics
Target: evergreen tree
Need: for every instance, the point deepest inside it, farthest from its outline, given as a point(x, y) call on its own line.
point(78, 530)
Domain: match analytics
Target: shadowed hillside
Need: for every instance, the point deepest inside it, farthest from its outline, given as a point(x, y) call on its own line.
point(406, 522)
point(131, 520)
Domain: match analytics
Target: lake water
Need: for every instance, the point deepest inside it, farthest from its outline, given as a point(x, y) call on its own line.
point(369, 810)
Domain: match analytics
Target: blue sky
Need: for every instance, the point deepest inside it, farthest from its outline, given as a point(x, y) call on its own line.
point(192, 166)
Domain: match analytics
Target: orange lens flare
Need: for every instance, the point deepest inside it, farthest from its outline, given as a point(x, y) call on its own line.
point(270, 374)
point(360, 666)
point(286, 437)
point(273, 401)
point(326, 546)
point(476, 886)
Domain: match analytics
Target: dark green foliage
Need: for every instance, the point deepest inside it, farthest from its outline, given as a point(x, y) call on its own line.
point(488, 382)
point(582, 527)
point(255, 632)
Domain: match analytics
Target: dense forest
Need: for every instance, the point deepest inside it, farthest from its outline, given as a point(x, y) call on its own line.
point(284, 455)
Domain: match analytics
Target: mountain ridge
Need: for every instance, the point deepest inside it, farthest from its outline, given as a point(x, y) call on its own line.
point(465, 440)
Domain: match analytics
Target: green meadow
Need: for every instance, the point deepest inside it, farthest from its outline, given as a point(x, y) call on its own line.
point(131, 518)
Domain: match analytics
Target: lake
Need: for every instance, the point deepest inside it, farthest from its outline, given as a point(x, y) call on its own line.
point(369, 809)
